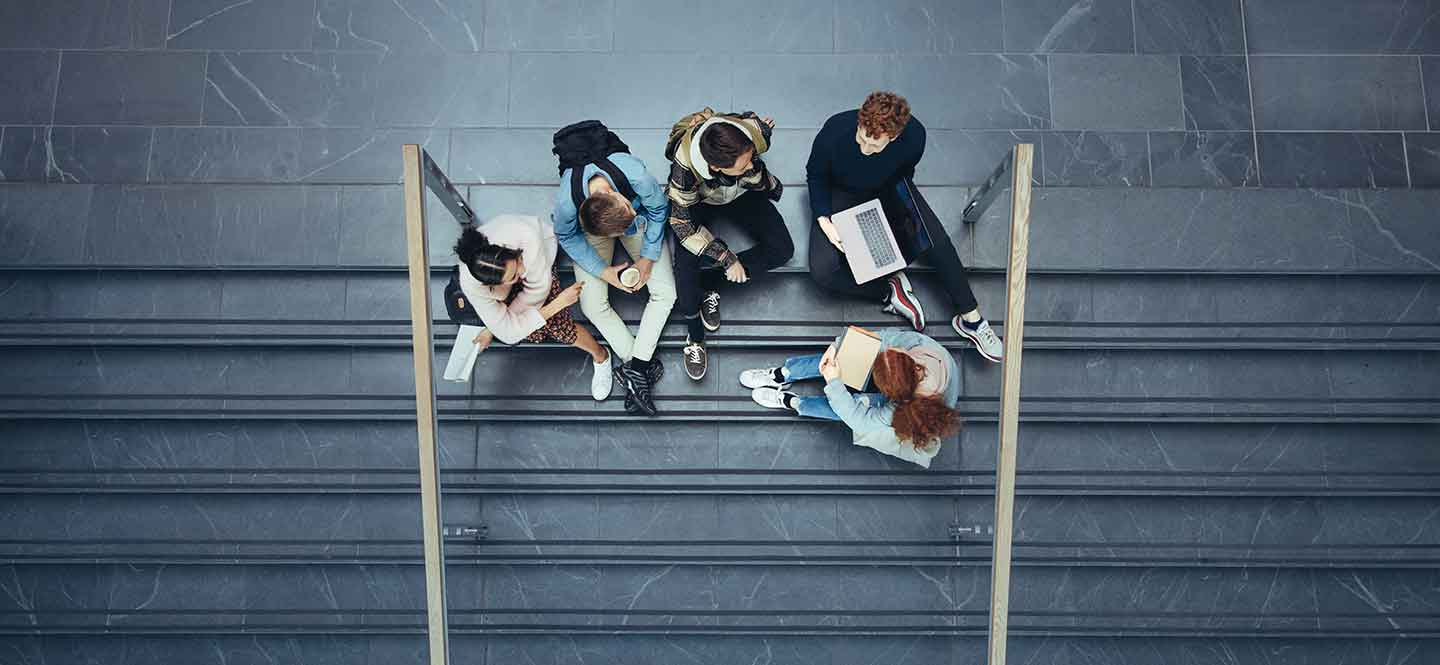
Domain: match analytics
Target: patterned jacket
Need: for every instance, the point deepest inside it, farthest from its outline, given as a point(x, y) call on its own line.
point(688, 185)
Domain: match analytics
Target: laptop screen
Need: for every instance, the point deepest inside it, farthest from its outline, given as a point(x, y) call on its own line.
point(907, 211)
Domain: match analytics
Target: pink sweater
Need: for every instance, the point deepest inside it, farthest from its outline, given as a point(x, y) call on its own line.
point(536, 242)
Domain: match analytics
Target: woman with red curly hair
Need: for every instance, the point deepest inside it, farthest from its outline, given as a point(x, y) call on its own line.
point(913, 409)
point(861, 155)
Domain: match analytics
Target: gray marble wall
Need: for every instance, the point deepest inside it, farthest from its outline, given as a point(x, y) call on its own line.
point(1276, 93)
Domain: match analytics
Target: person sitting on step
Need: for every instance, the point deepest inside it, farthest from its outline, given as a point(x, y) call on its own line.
point(917, 385)
point(507, 272)
point(716, 174)
point(857, 155)
point(589, 233)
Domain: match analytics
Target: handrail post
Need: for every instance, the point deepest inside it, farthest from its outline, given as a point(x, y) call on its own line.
point(417, 248)
point(1010, 402)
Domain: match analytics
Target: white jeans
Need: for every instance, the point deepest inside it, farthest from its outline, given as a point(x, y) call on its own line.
point(595, 299)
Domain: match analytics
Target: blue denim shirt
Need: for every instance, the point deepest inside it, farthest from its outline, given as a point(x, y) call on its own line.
point(649, 201)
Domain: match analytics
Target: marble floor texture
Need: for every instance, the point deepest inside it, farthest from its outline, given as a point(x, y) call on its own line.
point(1230, 430)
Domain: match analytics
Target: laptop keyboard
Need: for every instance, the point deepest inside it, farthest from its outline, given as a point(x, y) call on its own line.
point(872, 227)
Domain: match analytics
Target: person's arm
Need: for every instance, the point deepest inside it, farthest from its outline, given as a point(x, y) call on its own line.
point(683, 192)
point(572, 239)
point(855, 410)
point(510, 326)
point(817, 176)
point(766, 128)
point(901, 338)
point(908, 170)
point(657, 208)
point(760, 179)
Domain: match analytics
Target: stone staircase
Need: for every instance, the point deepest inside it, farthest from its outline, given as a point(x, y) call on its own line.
point(1229, 451)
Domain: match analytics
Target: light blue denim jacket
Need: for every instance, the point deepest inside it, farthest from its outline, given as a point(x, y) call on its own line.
point(869, 414)
point(649, 201)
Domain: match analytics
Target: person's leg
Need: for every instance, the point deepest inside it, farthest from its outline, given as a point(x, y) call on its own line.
point(949, 270)
point(754, 213)
point(814, 407)
point(688, 289)
point(801, 368)
point(595, 303)
point(662, 294)
point(828, 266)
point(586, 342)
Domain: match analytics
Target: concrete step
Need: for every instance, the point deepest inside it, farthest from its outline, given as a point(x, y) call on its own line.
point(1072, 228)
point(306, 309)
point(1081, 385)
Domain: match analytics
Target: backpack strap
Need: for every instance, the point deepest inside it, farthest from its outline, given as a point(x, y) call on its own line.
point(622, 183)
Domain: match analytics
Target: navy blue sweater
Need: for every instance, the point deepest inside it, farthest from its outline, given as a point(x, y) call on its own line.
point(836, 161)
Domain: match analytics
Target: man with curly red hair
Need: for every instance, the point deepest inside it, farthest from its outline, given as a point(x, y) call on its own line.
point(860, 155)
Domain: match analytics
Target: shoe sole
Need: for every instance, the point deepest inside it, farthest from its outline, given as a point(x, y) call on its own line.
point(708, 327)
point(906, 301)
point(777, 386)
point(780, 406)
point(974, 341)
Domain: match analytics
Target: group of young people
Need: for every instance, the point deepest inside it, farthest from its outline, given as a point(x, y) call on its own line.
point(717, 174)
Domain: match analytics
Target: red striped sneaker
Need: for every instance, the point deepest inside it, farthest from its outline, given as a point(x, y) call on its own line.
point(901, 301)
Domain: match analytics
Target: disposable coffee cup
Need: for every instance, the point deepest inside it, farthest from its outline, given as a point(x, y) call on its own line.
point(630, 277)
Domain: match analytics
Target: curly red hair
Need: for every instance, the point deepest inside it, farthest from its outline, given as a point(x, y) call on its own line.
point(884, 113)
point(918, 419)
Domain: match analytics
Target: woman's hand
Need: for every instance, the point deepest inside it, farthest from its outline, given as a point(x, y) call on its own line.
point(828, 229)
point(828, 367)
point(562, 300)
point(570, 295)
point(483, 339)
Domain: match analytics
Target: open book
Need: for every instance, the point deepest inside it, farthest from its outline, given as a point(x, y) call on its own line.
point(463, 355)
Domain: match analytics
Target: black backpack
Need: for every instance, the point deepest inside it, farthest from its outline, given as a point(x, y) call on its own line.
point(590, 142)
point(456, 304)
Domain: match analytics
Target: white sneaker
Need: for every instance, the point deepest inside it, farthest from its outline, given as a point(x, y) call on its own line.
point(984, 338)
point(760, 378)
point(770, 398)
point(604, 379)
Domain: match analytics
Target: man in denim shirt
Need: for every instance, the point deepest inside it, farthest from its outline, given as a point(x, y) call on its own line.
point(588, 236)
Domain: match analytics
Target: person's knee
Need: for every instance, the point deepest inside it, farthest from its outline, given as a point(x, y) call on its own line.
point(662, 292)
point(823, 278)
point(595, 299)
point(783, 249)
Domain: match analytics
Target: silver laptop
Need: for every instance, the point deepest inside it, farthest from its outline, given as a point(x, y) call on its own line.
point(870, 245)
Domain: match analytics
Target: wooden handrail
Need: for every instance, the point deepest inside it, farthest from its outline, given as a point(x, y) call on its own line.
point(1022, 161)
point(417, 249)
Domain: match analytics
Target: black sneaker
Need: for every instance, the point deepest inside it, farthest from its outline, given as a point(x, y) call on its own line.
point(710, 311)
point(637, 388)
point(657, 372)
point(697, 359)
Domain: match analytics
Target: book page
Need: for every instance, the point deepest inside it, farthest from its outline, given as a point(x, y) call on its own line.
point(463, 355)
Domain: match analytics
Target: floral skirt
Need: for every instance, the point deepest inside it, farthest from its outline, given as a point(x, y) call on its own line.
point(559, 328)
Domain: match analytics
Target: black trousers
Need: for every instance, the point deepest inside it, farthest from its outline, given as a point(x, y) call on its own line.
point(753, 213)
point(831, 271)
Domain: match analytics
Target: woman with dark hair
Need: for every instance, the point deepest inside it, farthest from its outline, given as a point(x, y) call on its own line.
point(918, 386)
point(507, 271)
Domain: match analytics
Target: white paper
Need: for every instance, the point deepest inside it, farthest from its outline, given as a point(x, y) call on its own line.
point(463, 355)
